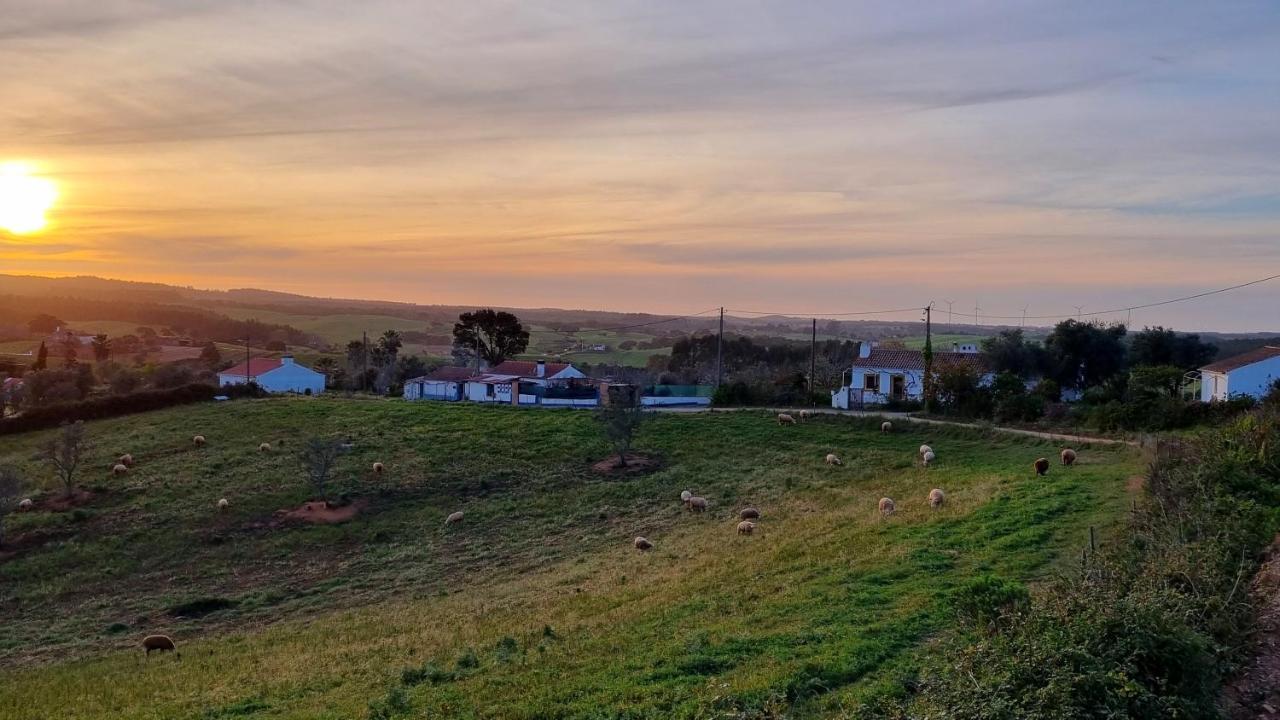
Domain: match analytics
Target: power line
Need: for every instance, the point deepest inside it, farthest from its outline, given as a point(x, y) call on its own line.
point(827, 314)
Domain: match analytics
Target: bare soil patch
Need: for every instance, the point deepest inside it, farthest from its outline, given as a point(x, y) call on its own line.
point(1255, 693)
point(1135, 484)
point(637, 464)
point(63, 503)
point(320, 512)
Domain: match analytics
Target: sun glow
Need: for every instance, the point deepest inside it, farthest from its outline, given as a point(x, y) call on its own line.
point(24, 199)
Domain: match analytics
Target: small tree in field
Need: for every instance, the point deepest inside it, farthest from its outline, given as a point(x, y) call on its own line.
point(318, 457)
point(64, 451)
point(619, 422)
point(10, 494)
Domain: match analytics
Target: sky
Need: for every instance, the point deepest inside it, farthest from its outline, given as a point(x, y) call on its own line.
point(797, 157)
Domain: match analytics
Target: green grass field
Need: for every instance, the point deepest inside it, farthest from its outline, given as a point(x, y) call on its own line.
point(536, 605)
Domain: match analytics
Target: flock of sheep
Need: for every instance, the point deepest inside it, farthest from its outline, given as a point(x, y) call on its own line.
point(748, 517)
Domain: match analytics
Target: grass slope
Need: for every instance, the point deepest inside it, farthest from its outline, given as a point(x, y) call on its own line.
point(536, 606)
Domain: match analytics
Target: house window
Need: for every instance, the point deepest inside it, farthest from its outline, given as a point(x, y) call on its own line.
point(871, 382)
point(488, 389)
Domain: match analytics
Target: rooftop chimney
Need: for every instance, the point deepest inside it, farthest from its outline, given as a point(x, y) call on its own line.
point(542, 368)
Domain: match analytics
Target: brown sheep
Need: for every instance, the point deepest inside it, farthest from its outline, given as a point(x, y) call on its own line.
point(936, 498)
point(453, 518)
point(886, 506)
point(198, 440)
point(1042, 466)
point(1068, 457)
point(749, 513)
point(119, 469)
point(163, 643)
point(642, 544)
point(833, 459)
point(746, 527)
point(785, 419)
point(378, 468)
point(697, 504)
point(886, 426)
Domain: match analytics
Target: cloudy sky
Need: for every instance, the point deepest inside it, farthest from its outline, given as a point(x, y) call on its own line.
point(660, 156)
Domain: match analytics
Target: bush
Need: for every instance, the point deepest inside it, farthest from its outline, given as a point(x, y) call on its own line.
point(48, 416)
point(983, 600)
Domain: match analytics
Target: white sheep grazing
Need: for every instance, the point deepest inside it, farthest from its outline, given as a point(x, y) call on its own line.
point(746, 527)
point(1068, 457)
point(785, 419)
point(119, 469)
point(697, 504)
point(264, 447)
point(26, 505)
point(453, 518)
point(936, 498)
point(684, 496)
point(198, 440)
point(642, 544)
point(833, 459)
point(805, 414)
point(378, 468)
point(886, 506)
point(223, 504)
point(928, 458)
point(925, 449)
point(749, 513)
point(886, 426)
point(126, 460)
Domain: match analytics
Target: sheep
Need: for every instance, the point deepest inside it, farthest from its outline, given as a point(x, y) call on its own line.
point(1041, 466)
point(126, 460)
point(833, 459)
point(924, 449)
point(198, 440)
point(697, 504)
point(264, 447)
point(749, 513)
point(378, 468)
point(223, 504)
point(886, 506)
point(746, 527)
point(936, 498)
point(26, 505)
point(642, 544)
point(119, 469)
point(886, 426)
point(162, 643)
point(785, 419)
point(805, 414)
point(453, 518)
point(1068, 457)
point(684, 496)
point(928, 458)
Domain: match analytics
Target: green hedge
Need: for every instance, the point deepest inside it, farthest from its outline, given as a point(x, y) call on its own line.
point(48, 416)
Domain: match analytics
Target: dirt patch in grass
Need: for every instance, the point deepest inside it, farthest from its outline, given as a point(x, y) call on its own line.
point(63, 503)
point(1256, 692)
point(637, 464)
point(320, 512)
point(1135, 484)
point(15, 545)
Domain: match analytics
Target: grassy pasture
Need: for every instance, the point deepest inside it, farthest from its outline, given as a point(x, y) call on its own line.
point(536, 606)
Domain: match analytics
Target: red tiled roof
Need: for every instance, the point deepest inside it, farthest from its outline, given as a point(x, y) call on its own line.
point(1257, 355)
point(526, 368)
point(902, 359)
point(257, 366)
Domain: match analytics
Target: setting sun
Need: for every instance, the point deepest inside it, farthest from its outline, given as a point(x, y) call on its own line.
point(24, 199)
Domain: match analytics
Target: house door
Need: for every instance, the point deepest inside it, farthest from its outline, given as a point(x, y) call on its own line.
point(898, 387)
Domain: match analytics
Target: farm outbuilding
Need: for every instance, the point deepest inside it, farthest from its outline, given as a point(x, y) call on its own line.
point(1251, 374)
point(277, 375)
point(445, 383)
point(883, 374)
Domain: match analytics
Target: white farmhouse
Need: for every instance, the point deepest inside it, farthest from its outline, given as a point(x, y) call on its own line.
point(880, 375)
point(1251, 374)
point(443, 383)
point(277, 375)
point(535, 381)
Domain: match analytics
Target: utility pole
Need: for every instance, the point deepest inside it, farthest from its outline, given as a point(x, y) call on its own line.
point(720, 352)
point(928, 357)
point(977, 314)
point(1079, 310)
point(949, 303)
point(813, 360)
point(1024, 315)
point(364, 358)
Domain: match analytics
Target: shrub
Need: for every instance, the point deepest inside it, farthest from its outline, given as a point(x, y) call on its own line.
point(48, 416)
point(983, 600)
